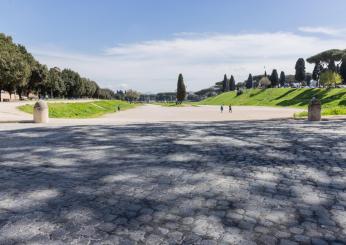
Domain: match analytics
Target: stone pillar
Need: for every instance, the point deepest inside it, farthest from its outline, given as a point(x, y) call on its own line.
point(41, 112)
point(314, 112)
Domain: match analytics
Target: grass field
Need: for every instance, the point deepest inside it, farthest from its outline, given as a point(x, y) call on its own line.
point(333, 100)
point(81, 109)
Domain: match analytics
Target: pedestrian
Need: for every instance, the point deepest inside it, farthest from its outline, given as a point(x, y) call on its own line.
point(221, 108)
point(118, 107)
point(230, 108)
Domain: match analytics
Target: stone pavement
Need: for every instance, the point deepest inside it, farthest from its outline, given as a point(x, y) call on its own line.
point(263, 182)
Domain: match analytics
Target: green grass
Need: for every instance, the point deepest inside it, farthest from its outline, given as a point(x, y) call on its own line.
point(328, 111)
point(333, 100)
point(81, 109)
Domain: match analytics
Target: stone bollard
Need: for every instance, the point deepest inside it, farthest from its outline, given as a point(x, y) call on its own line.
point(314, 112)
point(41, 112)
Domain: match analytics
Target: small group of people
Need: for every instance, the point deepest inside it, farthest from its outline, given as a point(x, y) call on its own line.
point(229, 108)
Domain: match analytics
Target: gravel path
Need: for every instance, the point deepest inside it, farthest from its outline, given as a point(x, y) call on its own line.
point(240, 182)
point(155, 113)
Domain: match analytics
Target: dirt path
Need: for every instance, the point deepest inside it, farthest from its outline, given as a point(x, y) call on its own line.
point(155, 113)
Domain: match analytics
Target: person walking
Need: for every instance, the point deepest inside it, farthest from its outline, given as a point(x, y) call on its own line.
point(221, 108)
point(230, 108)
point(118, 107)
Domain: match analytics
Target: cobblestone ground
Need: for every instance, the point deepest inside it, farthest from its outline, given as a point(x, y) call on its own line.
point(268, 182)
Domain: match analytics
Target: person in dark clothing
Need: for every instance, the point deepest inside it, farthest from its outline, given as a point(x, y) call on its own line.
point(221, 108)
point(230, 108)
point(118, 107)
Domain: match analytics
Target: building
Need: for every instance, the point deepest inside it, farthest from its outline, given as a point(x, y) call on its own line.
point(5, 96)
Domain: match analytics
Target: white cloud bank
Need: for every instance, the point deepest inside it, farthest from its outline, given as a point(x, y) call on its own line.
point(330, 31)
point(203, 59)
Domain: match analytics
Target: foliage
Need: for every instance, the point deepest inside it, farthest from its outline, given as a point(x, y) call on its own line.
point(181, 89)
point(327, 56)
point(300, 70)
point(232, 83)
point(132, 95)
point(330, 78)
point(317, 71)
point(343, 69)
point(20, 72)
point(225, 84)
point(14, 65)
point(82, 110)
point(249, 81)
point(308, 78)
point(264, 82)
point(331, 66)
point(282, 79)
point(274, 78)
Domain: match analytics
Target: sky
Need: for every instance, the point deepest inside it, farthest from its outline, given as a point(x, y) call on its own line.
point(145, 44)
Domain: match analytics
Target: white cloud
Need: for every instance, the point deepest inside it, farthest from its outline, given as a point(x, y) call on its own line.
point(337, 32)
point(202, 58)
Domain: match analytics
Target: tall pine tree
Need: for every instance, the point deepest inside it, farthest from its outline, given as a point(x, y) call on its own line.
point(274, 78)
point(300, 70)
point(181, 89)
point(232, 83)
point(249, 81)
point(225, 84)
point(316, 72)
point(343, 69)
point(331, 66)
point(282, 79)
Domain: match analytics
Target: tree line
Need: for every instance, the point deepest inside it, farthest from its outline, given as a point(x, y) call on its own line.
point(329, 71)
point(20, 72)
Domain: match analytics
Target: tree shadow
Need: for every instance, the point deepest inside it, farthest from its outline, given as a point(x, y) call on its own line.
point(285, 94)
point(304, 98)
point(189, 183)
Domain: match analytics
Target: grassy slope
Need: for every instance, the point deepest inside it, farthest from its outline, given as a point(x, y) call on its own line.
point(82, 109)
point(333, 100)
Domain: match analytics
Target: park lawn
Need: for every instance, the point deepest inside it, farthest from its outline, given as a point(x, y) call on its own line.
point(81, 109)
point(333, 100)
point(326, 111)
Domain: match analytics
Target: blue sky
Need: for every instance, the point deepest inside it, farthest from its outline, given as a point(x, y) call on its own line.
point(144, 44)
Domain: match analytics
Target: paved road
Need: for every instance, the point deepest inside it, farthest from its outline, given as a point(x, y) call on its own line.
point(264, 182)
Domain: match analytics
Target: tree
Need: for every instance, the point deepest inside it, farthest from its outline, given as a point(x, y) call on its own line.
point(249, 81)
point(232, 83)
point(132, 95)
point(181, 89)
point(329, 78)
point(264, 82)
point(300, 70)
point(316, 72)
point(274, 78)
point(331, 66)
point(31, 62)
point(72, 83)
point(14, 67)
point(327, 56)
point(282, 79)
point(225, 84)
point(38, 79)
point(308, 78)
point(55, 85)
point(343, 69)
point(20, 72)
